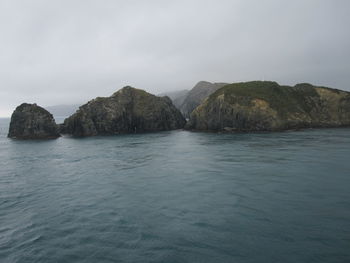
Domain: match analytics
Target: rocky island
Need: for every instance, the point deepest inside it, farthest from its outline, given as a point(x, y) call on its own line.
point(129, 110)
point(30, 121)
point(267, 106)
point(242, 107)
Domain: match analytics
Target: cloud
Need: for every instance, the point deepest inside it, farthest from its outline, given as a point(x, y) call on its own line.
point(59, 52)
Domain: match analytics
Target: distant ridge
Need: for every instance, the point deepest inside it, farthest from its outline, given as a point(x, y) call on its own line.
point(62, 110)
point(177, 96)
point(197, 95)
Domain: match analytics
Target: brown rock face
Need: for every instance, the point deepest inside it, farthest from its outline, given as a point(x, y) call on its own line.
point(29, 121)
point(129, 110)
point(267, 106)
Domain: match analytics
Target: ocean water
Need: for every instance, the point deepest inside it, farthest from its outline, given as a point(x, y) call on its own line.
point(177, 197)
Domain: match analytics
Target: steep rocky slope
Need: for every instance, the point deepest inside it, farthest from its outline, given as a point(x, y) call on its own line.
point(129, 110)
point(267, 106)
point(30, 121)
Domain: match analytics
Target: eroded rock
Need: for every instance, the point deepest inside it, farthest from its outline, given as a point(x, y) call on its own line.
point(30, 121)
point(129, 110)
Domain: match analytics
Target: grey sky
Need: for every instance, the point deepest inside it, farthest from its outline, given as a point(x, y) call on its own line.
point(69, 51)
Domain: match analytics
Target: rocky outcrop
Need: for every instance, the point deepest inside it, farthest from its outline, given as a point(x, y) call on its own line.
point(29, 121)
point(197, 95)
point(267, 106)
point(129, 110)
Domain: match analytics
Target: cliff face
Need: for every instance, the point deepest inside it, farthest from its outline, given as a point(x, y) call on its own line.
point(267, 106)
point(129, 110)
point(197, 95)
point(30, 121)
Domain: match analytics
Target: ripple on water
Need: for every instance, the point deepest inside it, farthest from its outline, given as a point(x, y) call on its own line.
point(177, 197)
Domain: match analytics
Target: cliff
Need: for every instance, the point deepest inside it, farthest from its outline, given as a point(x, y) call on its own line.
point(30, 121)
point(267, 106)
point(129, 110)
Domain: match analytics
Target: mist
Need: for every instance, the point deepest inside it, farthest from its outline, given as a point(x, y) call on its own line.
point(67, 52)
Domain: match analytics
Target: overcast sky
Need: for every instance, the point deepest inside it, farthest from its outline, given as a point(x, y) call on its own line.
point(70, 51)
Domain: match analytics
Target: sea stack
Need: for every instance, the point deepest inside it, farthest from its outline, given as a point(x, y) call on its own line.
point(267, 106)
point(30, 121)
point(129, 110)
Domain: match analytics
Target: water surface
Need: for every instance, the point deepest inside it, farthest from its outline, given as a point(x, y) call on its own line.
point(177, 197)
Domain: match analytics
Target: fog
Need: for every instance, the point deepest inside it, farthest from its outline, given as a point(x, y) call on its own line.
point(65, 52)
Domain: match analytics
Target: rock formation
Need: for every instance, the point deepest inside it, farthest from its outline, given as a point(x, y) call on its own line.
point(197, 95)
point(29, 121)
point(267, 106)
point(129, 110)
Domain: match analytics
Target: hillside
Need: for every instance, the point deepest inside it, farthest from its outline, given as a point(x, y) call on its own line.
point(267, 106)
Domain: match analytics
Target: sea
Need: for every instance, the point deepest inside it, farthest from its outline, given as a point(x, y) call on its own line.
point(177, 196)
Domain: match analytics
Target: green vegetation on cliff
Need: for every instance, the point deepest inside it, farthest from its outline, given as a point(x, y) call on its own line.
point(265, 105)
